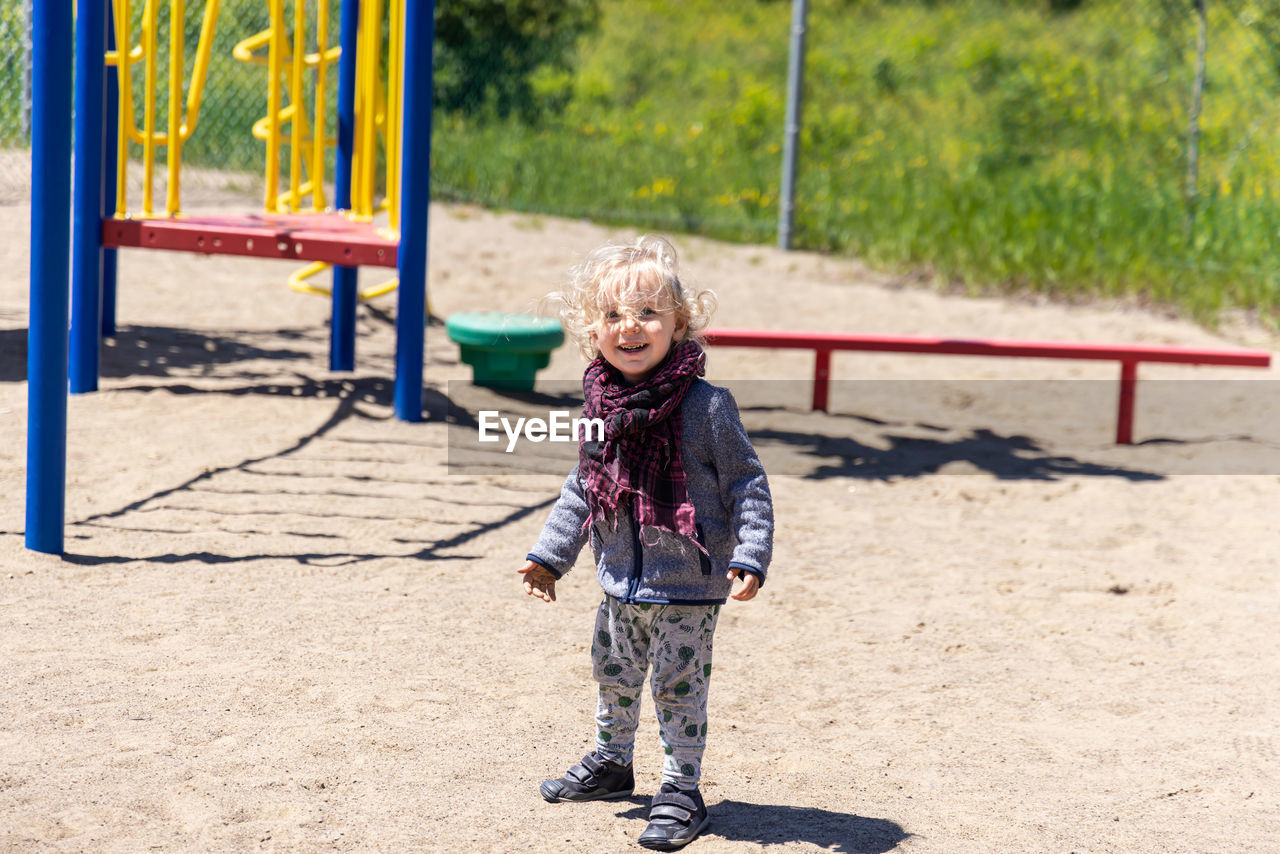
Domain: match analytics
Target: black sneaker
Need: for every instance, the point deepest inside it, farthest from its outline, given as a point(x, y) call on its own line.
point(675, 819)
point(593, 779)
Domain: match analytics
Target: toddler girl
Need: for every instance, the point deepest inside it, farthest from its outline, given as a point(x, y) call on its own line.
point(676, 506)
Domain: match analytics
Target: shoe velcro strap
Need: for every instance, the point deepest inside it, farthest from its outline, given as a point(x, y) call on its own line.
point(675, 799)
point(588, 768)
point(673, 811)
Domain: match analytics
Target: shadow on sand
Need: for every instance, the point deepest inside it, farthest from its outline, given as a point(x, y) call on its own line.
point(777, 824)
point(1007, 457)
point(350, 397)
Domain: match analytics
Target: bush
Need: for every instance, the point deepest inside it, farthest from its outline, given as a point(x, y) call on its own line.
point(488, 51)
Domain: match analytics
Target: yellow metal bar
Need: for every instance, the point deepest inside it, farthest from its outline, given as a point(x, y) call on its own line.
point(298, 188)
point(358, 135)
point(296, 98)
point(149, 105)
point(318, 125)
point(307, 138)
point(137, 54)
point(392, 131)
point(173, 154)
point(126, 76)
point(328, 57)
point(380, 125)
point(244, 50)
point(200, 70)
point(307, 148)
point(112, 57)
point(275, 63)
point(378, 104)
point(298, 281)
point(378, 290)
point(124, 35)
point(369, 64)
point(262, 128)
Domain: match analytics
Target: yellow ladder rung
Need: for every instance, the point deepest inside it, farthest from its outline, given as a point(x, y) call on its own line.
point(378, 290)
point(298, 282)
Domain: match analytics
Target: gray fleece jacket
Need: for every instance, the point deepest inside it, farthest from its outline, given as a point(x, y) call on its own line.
point(732, 509)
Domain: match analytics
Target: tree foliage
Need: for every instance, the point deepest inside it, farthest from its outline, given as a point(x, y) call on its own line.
point(488, 51)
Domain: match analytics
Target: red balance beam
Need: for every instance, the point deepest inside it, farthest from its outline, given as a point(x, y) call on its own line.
point(1128, 355)
point(330, 238)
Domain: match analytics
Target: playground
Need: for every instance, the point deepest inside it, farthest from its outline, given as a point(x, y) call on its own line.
point(282, 623)
point(279, 610)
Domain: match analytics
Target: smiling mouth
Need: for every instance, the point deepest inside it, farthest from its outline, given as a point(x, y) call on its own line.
point(632, 348)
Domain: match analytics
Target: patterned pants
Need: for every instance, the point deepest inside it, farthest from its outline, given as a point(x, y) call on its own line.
point(675, 640)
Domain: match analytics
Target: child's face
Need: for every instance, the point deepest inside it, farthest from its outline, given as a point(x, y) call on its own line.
point(635, 340)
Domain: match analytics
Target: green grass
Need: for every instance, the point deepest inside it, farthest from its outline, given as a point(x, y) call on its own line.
point(992, 142)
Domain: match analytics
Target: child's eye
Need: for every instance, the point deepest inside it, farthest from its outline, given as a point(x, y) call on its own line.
point(647, 312)
point(612, 315)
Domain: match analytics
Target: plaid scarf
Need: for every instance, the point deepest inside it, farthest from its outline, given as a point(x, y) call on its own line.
point(640, 455)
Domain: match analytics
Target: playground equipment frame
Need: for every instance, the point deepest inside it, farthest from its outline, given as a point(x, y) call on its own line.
point(58, 360)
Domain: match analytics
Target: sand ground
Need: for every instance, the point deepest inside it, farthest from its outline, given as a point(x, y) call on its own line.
point(285, 623)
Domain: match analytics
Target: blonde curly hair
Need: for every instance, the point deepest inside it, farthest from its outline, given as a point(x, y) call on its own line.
point(630, 276)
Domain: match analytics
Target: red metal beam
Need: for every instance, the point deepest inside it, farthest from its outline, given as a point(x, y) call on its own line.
point(787, 339)
point(331, 238)
point(1128, 355)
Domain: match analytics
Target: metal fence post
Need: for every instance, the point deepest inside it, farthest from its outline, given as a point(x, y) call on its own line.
point(791, 140)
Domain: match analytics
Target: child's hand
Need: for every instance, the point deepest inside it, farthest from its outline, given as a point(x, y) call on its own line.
point(750, 585)
point(538, 581)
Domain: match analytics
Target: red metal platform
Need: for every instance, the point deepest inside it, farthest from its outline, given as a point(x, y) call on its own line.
point(331, 238)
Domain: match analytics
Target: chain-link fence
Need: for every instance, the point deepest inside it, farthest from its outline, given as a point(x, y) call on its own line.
point(222, 152)
point(15, 100)
point(1099, 145)
point(1107, 146)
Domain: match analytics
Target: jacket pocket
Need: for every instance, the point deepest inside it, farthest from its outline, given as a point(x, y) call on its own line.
point(703, 560)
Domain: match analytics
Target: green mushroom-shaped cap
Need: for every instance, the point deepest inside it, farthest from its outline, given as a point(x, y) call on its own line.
point(495, 330)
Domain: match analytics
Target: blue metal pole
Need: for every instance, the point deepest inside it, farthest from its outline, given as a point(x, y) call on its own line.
point(342, 330)
point(50, 238)
point(109, 187)
point(415, 197)
point(86, 229)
